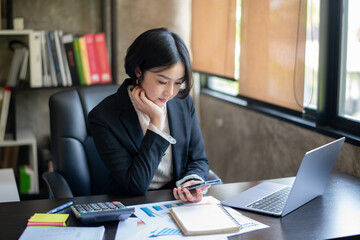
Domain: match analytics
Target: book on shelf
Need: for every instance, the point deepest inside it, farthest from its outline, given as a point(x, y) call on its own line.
point(103, 59)
point(51, 59)
point(58, 66)
point(85, 60)
point(78, 61)
point(65, 60)
point(24, 67)
point(67, 41)
point(5, 95)
point(19, 58)
point(204, 219)
point(92, 58)
point(35, 60)
point(45, 62)
point(59, 55)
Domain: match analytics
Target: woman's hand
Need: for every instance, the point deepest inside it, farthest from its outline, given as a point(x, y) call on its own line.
point(143, 104)
point(186, 195)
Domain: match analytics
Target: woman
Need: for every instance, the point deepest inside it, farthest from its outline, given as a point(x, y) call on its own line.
point(148, 133)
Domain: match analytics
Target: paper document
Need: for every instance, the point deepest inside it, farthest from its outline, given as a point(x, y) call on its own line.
point(154, 221)
point(60, 233)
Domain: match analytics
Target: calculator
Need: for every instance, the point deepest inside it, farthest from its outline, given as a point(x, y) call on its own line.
point(101, 212)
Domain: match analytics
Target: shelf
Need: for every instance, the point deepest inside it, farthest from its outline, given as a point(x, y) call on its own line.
point(15, 32)
point(26, 137)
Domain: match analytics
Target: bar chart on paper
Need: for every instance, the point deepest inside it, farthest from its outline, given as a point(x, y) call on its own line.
point(166, 231)
point(132, 230)
point(153, 213)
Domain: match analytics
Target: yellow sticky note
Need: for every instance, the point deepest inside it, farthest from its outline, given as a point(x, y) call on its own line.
point(48, 219)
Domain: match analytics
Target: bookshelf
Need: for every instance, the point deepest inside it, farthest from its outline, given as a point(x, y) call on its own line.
point(31, 101)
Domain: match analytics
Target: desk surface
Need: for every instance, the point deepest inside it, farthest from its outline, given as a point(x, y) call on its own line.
point(334, 214)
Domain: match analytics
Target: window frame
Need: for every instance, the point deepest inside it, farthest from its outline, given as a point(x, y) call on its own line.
point(328, 116)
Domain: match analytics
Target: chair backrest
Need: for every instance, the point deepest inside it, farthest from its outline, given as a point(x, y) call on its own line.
point(73, 150)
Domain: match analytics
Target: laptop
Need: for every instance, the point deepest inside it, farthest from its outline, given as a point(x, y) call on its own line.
point(278, 199)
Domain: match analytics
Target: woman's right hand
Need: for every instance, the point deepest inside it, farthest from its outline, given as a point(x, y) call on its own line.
point(145, 105)
point(185, 195)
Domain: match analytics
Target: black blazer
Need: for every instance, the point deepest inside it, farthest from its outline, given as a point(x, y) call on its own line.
point(131, 157)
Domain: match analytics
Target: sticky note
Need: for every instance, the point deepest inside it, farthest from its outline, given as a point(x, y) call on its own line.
point(43, 219)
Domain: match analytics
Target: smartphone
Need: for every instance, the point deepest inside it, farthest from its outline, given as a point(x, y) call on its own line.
point(203, 184)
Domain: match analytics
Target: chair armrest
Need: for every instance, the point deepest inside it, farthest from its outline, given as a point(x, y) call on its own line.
point(58, 187)
point(212, 175)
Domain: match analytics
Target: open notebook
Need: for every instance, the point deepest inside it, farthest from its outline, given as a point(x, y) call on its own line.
point(204, 219)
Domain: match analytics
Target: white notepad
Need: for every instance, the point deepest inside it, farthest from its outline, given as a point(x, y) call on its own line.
point(204, 219)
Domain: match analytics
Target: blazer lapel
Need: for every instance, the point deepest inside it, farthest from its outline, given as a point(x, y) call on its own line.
point(177, 123)
point(128, 117)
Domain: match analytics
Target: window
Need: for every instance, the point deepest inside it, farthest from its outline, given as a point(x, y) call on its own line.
point(349, 95)
point(213, 36)
point(224, 85)
point(295, 59)
point(272, 52)
point(311, 54)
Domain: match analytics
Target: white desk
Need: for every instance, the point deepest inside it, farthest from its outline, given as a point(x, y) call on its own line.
point(8, 187)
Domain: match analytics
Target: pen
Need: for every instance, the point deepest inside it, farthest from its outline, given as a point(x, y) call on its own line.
point(59, 208)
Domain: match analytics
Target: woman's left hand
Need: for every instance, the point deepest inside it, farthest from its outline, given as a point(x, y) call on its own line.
point(186, 195)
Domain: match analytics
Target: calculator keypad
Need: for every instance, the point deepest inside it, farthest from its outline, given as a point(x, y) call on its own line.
point(101, 206)
point(101, 212)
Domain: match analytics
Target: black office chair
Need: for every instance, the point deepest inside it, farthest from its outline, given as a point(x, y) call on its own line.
point(78, 169)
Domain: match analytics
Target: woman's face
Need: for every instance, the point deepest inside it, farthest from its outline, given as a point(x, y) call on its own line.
point(162, 85)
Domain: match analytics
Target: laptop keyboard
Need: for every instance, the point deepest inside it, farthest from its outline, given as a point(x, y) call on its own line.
point(274, 202)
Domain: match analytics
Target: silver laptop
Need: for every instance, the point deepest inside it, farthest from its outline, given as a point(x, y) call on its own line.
point(277, 199)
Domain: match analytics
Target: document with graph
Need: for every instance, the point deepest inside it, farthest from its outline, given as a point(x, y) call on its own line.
point(154, 221)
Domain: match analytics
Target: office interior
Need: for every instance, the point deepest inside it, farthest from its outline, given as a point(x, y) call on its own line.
point(241, 144)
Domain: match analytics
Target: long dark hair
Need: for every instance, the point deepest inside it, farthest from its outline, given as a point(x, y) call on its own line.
point(159, 47)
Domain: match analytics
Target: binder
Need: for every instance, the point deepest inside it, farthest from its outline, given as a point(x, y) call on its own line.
point(103, 58)
point(92, 58)
point(35, 60)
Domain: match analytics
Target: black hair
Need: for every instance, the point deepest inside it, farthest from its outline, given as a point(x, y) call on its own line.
point(158, 47)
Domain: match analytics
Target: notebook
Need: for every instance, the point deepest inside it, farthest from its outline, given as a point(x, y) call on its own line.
point(204, 219)
point(309, 183)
